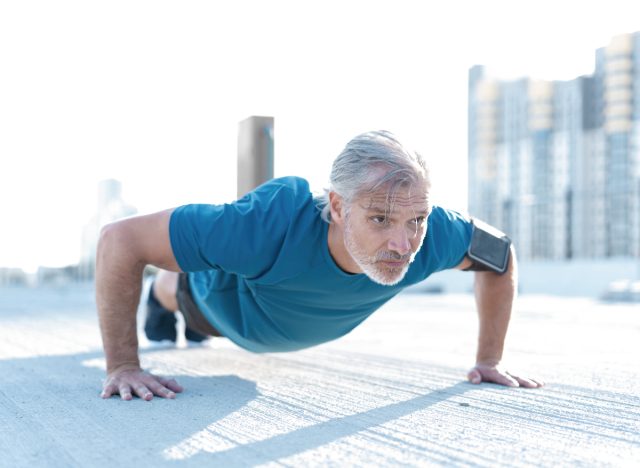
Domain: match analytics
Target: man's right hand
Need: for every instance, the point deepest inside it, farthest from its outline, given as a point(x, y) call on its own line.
point(124, 248)
point(129, 382)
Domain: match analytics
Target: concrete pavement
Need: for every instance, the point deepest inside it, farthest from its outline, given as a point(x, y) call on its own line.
point(391, 393)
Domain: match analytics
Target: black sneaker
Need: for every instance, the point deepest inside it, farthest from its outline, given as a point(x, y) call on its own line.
point(194, 336)
point(160, 323)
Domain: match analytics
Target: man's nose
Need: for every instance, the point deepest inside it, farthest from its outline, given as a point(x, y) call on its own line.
point(399, 242)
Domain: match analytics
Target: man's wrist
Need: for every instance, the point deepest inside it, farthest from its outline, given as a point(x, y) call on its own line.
point(490, 347)
point(488, 362)
point(124, 366)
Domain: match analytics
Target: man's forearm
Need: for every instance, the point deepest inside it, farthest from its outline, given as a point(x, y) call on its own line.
point(118, 286)
point(494, 297)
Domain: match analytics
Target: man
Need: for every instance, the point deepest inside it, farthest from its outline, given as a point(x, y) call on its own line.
point(280, 270)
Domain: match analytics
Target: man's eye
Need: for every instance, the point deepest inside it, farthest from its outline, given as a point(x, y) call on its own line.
point(419, 220)
point(378, 219)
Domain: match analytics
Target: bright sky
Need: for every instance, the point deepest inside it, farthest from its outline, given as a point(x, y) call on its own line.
point(150, 93)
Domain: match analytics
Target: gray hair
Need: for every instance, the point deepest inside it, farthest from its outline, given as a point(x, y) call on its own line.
point(356, 171)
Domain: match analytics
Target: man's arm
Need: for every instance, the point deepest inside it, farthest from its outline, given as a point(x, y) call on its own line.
point(124, 249)
point(495, 294)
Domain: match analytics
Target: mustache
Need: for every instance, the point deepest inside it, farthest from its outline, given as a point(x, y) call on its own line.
point(392, 256)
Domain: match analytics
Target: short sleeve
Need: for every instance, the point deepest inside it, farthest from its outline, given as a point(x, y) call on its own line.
point(244, 237)
point(447, 240)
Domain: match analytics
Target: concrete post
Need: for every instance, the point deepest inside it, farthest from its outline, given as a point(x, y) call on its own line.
point(255, 153)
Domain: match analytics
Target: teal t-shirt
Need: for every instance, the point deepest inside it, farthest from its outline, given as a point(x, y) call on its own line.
point(261, 272)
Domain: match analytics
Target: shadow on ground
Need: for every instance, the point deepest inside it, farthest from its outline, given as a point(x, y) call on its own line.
point(52, 415)
point(55, 417)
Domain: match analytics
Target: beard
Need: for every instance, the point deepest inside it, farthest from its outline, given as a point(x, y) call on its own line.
point(374, 266)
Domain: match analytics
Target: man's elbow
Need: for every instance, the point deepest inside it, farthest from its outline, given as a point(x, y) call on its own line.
point(116, 243)
point(110, 236)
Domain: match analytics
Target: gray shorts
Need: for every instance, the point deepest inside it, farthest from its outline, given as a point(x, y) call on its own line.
point(192, 314)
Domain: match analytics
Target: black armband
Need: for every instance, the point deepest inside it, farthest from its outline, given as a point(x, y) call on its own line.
point(489, 249)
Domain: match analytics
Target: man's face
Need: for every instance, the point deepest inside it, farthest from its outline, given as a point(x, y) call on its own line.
point(383, 234)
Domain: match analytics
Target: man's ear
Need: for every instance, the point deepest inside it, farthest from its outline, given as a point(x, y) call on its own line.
point(336, 204)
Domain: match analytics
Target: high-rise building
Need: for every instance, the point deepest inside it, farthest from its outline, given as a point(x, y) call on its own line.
point(556, 164)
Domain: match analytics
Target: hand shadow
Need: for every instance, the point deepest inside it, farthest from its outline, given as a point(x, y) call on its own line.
point(53, 414)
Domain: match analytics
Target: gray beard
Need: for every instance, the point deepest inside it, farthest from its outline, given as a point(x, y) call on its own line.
point(369, 264)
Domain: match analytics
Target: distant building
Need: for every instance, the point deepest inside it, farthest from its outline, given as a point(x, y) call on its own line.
point(110, 207)
point(13, 277)
point(556, 164)
point(58, 276)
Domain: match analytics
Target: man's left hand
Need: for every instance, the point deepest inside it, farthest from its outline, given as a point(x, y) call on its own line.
point(500, 376)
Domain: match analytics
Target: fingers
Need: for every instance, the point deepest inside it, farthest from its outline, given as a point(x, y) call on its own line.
point(498, 375)
point(125, 391)
point(528, 383)
point(501, 378)
point(474, 377)
point(108, 391)
point(160, 390)
point(141, 384)
point(171, 384)
point(491, 374)
point(507, 380)
point(143, 392)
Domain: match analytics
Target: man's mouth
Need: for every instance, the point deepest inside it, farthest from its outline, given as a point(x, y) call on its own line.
point(394, 263)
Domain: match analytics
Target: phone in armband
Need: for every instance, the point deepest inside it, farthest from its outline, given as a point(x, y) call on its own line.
point(489, 248)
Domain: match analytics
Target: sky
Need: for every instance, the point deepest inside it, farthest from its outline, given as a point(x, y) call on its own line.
point(151, 93)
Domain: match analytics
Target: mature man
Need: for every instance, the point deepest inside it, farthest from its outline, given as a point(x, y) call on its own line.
point(280, 270)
